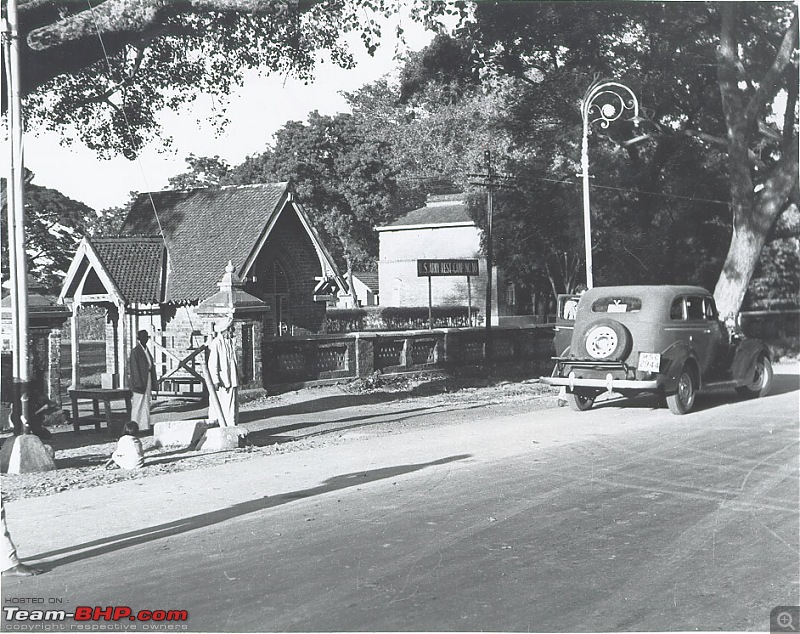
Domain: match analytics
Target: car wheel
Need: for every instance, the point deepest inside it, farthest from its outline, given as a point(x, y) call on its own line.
point(761, 379)
point(579, 402)
point(607, 340)
point(682, 400)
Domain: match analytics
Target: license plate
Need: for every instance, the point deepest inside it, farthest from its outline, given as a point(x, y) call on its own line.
point(649, 361)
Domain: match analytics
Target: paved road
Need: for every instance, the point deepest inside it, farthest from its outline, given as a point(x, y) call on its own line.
point(622, 518)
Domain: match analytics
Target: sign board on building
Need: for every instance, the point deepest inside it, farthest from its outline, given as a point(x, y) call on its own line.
point(435, 268)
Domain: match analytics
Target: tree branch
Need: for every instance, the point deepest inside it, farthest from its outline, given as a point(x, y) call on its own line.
point(131, 16)
point(66, 36)
point(768, 85)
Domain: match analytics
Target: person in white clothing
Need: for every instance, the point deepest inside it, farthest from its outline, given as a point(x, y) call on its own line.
point(143, 379)
point(129, 453)
point(224, 373)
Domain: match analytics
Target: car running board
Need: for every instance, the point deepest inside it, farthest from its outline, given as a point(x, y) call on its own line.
point(719, 385)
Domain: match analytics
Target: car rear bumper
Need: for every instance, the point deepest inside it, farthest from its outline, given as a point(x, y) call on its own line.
point(608, 383)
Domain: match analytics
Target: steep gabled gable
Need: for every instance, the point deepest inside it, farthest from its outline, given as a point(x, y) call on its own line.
point(136, 265)
point(204, 229)
point(127, 270)
point(289, 204)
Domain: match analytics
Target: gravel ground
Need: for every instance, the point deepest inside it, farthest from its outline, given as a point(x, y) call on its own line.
point(80, 457)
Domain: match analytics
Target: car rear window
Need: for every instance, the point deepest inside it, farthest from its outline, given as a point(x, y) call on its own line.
point(617, 305)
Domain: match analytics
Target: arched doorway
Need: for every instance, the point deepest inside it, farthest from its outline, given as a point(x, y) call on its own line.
point(276, 292)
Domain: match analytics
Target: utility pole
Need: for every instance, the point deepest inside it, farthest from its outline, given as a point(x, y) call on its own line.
point(490, 180)
point(25, 453)
point(11, 226)
point(16, 207)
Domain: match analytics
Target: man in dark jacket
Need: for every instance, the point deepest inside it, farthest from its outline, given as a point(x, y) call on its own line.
point(142, 380)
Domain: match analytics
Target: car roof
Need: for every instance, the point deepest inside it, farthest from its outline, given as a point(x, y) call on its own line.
point(660, 290)
point(656, 299)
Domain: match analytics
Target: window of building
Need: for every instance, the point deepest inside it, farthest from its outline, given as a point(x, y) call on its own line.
point(511, 294)
point(275, 285)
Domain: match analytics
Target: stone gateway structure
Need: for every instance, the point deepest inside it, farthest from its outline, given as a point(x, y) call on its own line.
point(177, 251)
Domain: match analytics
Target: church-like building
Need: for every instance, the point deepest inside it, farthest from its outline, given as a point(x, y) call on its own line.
point(182, 256)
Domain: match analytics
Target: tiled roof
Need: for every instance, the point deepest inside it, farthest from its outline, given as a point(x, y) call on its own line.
point(203, 229)
point(439, 210)
point(135, 265)
point(368, 278)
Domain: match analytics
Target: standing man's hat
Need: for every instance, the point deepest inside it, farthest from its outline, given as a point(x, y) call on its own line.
point(226, 323)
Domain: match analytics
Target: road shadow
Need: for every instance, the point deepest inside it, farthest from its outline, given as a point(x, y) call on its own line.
point(279, 435)
point(391, 391)
point(152, 456)
point(781, 384)
point(121, 541)
point(258, 415)
point(784, 383)
point(64, 437)
point(322, 404)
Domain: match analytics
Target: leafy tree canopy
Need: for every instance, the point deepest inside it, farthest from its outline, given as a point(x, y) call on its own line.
point(707, 76)
point(101, 71)
point(343, 179)
point(54, 224)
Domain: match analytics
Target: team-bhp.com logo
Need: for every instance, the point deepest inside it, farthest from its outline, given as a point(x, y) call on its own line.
point(85, 613)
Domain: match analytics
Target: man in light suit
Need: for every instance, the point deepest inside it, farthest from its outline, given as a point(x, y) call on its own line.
point(142, 380)
point(224, 372)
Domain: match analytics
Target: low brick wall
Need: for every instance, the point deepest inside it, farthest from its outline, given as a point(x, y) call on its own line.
point(293, 360)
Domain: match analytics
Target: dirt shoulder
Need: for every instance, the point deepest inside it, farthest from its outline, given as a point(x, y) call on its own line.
point(289, 422)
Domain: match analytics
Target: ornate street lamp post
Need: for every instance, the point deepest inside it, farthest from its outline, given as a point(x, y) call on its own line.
point(605, 101)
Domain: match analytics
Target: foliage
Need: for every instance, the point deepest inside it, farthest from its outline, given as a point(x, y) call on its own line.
point(203, 172)
point(658, 209)
point(100, 72)
point(343, 179)
point(437, 125)
point(54, 225)
point(446, 62)
point(776, 281)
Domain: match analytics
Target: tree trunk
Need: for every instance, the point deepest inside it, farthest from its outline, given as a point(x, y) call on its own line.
point(754, 213)
point(751, 227)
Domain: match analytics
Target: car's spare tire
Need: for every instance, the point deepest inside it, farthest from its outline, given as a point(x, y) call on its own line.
point(605, 340)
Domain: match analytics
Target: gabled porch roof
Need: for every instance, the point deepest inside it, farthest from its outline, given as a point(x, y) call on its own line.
point(125, 270)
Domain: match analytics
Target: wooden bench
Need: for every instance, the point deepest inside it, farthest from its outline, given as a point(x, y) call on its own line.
point(96, 395)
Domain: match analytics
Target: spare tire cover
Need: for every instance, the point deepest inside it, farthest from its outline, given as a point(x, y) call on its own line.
point(605, 340)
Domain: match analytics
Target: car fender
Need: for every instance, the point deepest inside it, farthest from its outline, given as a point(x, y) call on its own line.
point(675, 358)
point(745, 357)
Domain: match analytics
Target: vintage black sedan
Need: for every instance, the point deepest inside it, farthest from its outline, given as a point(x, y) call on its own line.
point(662, 339)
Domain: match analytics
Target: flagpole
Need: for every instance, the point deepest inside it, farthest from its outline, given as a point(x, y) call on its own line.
point(26, 453)
point(10, 207)
point(23, 377)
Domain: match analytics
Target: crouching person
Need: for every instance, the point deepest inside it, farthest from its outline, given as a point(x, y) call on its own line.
point(129, 453)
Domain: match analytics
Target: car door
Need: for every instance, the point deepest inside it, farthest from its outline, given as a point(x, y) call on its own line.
point(720, 341)
point(688, 323)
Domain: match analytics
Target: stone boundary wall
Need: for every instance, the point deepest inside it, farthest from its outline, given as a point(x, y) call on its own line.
point(313, 358)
